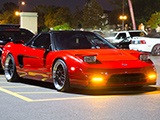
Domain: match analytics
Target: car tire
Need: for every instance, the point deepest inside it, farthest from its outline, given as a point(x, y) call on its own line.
point(10, 69)
point(156, 50)
point(60, 76)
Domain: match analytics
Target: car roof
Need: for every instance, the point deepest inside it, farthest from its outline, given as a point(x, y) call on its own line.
point(70, 31)
point(12, 27)
point(9, 26)
point(130, 31)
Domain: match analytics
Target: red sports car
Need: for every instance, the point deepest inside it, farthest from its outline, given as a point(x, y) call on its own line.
point(76, 58)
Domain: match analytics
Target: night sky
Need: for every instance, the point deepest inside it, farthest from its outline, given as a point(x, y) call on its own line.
point(68, 3)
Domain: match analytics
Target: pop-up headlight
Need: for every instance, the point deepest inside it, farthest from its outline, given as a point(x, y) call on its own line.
point(89, 59)
point(144, 58)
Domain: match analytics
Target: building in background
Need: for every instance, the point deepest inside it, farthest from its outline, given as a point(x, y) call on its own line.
point(29, 21)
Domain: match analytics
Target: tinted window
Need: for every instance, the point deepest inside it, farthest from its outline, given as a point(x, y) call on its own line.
point(80, 40)
point(133, 34)
point(16, 35)
point(121, 36)
point(42, 40)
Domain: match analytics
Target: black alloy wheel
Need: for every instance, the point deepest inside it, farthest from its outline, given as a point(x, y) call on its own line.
point(60, 76)
point(156, 50)
point(10, 69)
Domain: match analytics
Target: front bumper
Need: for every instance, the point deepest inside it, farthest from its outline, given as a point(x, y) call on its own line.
point(116, 77)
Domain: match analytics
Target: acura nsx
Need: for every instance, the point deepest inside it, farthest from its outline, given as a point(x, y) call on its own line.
point(76, 59)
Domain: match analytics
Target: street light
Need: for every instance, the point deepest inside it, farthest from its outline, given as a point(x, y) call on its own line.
point(17, 13)
point(21, 3)
point(123, 17)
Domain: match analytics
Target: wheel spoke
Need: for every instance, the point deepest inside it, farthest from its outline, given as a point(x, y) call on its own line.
point(9, 67)
point(59, 75)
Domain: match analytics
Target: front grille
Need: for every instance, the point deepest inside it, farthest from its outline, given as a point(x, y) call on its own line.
point(126, 78)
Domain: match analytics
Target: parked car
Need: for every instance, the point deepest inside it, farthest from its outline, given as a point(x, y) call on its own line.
point(10, 32)
point(124, 44)
point(118, 36)
point(76, 59)
point(149, 43)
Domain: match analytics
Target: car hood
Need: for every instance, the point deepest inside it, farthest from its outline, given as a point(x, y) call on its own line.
point(111, 58)
point(106, 54)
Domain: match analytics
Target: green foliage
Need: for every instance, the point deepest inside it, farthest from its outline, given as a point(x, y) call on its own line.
point(143, 9)
point(65, 26)
point(9, 18)
point(45, 30)
point(7, 15)
point(93, 15)
point(10, 6)
point(41, 10)
point(57, 16)
point(77, 19)
point(154, 20)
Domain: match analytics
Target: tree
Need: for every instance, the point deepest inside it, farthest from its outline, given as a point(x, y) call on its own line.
point(142, 9)
point(63, 15)
point(77, 19)
point(9, 18)
point(93, 15)
point(41, 10)
point(117, 4)
point(49, 16)
point(57, 16)
point(7, 15)
point(10, 6)
point(114, 15)
point(154, 20)
point(62, 27)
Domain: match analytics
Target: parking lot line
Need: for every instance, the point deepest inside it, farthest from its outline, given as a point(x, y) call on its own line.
point(16, 95)
point(17, 86)
point(112, 94)
point(35, 92)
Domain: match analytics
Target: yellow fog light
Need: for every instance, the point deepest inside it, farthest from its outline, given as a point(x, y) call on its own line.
point(152, 76)
point(97, 79)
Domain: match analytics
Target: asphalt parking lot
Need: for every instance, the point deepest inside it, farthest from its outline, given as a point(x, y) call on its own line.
point(34, 100)
point(34, 91)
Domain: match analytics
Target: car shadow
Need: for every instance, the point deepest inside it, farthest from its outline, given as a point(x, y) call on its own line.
point(1, 72)
point(37, 83)
point(115, 91)
point(96, 92)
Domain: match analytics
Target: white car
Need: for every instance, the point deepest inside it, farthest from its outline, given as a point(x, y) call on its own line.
point(149, 43)
point(118, 36)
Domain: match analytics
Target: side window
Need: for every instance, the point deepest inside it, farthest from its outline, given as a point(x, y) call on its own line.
point(42, 40)
point(121, 36)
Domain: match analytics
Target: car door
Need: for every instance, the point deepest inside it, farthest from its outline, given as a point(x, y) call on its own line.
point(120, 37)
point(35, 56)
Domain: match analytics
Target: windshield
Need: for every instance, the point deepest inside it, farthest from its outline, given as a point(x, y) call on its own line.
point(111, 34)
point(80, 40)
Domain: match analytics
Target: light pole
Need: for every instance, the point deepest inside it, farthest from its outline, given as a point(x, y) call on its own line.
point(123, 17)
point(21, 3)
point(132, 14)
